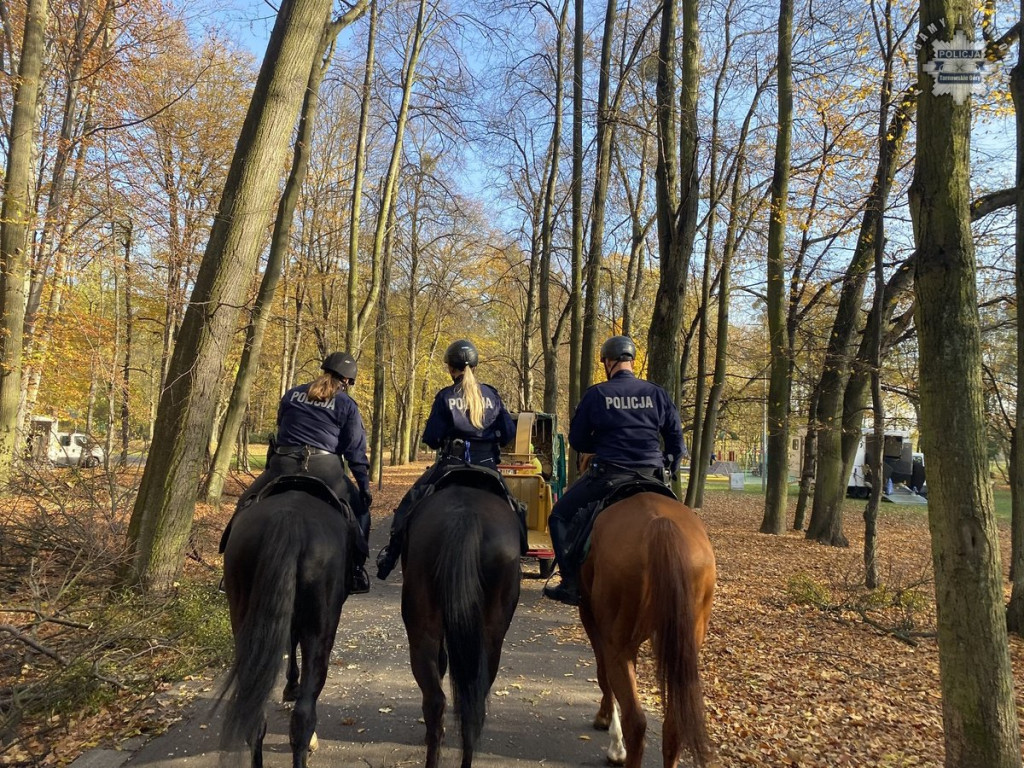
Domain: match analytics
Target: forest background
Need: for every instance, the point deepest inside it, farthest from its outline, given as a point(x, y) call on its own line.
point(731, 177)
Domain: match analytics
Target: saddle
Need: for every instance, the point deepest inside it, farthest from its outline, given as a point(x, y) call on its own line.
point(583, 522)
point(475, 476)
point(308, 484)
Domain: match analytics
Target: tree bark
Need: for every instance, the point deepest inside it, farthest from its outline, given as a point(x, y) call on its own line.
point(576, 277)
point(15, 223)
point(252, 348)
point(779, 384)
point(1015, 608)
point(831, 472)
point(390, 182)
point(551, 336)
point(676, 209)
point(602, 174)
point(979, 714)
point(162, 516)
point(352, 329)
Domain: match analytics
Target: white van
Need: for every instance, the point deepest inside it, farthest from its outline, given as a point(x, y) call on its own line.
point(75, 449)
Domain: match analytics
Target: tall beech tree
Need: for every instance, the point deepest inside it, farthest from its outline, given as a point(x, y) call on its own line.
point(979, 714)
point(254, 332)
point(780, 378)
point(15, 218)
point(677, 191)
point(162, 516)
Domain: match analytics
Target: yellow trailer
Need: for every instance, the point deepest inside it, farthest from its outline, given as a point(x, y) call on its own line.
point(533, 466)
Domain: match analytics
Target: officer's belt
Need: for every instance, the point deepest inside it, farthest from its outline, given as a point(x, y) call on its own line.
point(300, 450)
point(604, 467)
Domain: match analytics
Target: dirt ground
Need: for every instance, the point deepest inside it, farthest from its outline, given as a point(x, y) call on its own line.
point(800, 667)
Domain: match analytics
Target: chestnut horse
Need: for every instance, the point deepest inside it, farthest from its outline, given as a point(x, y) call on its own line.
point(650, 574)
point(461, 575)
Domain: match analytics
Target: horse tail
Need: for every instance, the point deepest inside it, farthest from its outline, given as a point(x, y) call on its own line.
point(668, 617)
point(262, 640)
point(460, 580)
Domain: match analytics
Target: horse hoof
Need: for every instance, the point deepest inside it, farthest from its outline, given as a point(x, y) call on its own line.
point(314, 742)
point(616, 757)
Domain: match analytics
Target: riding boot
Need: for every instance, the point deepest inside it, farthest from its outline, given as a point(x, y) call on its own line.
point(568, 591)
point(388, 557)
point(360, 579)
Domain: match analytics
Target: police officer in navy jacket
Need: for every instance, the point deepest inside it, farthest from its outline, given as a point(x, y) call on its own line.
point(319, 431)
point(632, 428)
point(467, 424)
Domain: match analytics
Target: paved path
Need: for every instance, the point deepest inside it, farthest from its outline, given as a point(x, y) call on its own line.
point(539, 712)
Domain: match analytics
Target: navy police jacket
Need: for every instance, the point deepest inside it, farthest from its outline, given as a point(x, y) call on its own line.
point(334, 425)
point(619, 420)
point(449, 419)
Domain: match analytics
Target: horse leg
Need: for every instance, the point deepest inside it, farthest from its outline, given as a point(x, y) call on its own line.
point(616, 749)
point(316, 656)
point(428, 659)
point(291, 687)
point(256, 748)
point(603, 718)
point(621, 673)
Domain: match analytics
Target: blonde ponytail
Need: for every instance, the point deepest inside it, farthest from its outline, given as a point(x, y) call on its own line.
point(474, 398)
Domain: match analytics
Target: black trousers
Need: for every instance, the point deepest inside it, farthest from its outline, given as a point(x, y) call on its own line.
point(328, 467)
point(593, 485)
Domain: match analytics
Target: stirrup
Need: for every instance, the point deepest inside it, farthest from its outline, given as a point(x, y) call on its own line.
point(360, 581)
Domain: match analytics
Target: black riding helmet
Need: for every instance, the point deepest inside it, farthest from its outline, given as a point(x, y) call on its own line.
point(461, 353)
point(340, 364)
point(618, 348)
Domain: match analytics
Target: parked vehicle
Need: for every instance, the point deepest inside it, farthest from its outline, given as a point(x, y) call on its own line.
point(902, 468)
point(63, 449)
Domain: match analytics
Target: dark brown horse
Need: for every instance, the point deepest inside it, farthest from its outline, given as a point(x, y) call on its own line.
point(650, 575)
point(461, 575)
point(285, 567)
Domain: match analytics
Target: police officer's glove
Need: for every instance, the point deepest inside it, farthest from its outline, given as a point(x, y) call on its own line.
point(366, 498)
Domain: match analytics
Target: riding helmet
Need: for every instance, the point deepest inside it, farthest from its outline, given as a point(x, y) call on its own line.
point(461, 353)
point(341, 364)
point(618, 348)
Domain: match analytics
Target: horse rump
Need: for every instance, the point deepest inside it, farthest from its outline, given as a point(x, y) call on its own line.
point(668, 617)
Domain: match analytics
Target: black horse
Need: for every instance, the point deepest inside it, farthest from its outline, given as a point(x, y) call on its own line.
point(461, 574)
point(285, 568)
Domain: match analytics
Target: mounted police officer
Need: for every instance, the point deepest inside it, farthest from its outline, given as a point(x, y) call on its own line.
point(467, 424)
point(623, 422)
point(319, 431)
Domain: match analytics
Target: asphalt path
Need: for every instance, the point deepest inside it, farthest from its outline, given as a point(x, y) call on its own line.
point(539, 712)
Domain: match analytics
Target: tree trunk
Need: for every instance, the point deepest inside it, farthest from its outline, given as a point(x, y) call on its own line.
point(774, 520)
point(1015, 609)
point(390, 182)
point(162, 516)
point(15, 224)
point(550, 337)
point(252, 348)
point(602, 174)
point(831, 470)
point(576, 277)
point(979, 715)
point(352, 329)
point(676, 209)
point(129, 329)
point(379, 342)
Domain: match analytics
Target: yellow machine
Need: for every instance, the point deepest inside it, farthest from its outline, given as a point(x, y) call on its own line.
point(533, 466)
